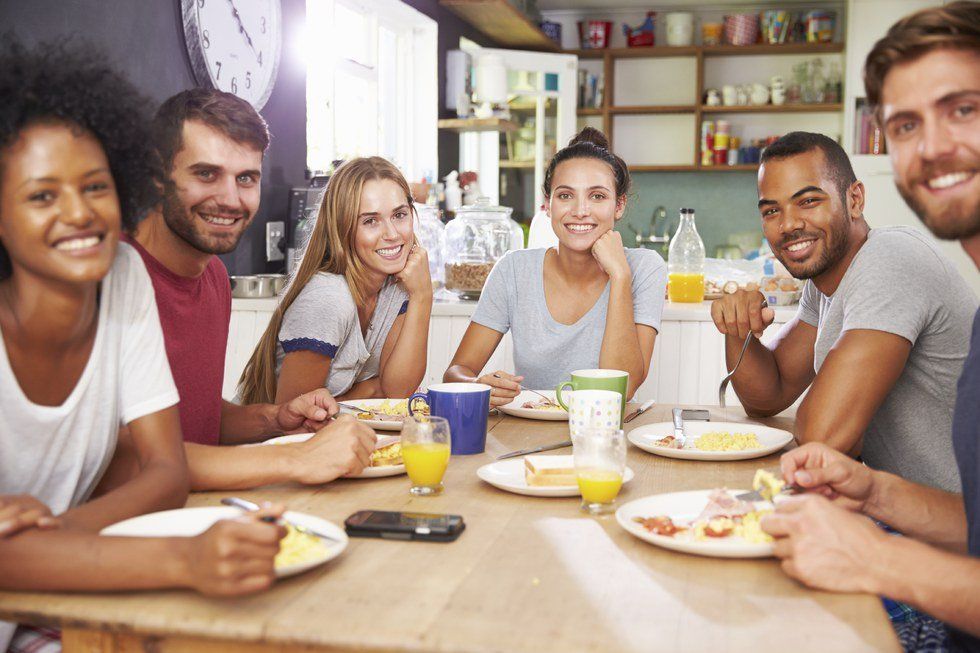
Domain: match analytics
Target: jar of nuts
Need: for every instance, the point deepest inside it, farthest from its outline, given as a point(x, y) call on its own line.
point(476, 238)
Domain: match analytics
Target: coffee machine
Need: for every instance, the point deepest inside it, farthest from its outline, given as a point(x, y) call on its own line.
point(304, 205)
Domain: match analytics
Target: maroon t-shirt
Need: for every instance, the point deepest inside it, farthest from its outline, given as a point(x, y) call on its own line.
point(194, 314)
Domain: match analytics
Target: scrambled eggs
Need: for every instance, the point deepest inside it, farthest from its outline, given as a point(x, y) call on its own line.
point(387, 407)
point(723, 441)
point(298, 547)
point(746, 527)
point(388, 455)
point(766, 484)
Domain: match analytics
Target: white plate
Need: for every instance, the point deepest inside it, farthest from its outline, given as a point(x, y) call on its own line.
point(771, 439)
point(514, 407)
point(509, 475)
point(367, 472)
point(188, 522)
point(683, 507)
point(394, 424)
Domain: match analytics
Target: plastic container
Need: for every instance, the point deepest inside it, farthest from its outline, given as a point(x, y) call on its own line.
point(476, 239)
point(685, 262)
point(432, 235)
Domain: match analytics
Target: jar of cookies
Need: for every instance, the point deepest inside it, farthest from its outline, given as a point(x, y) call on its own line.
point(476, 238)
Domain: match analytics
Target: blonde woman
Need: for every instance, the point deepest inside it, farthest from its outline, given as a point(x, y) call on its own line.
point(355, 318)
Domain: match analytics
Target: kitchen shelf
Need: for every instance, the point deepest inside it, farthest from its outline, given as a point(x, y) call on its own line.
point(728, 168)
point(766, 48)
point(663, 168)
point(707, 50)
point(772, 108)
point(503, 23)
point(700, 112)
point(674, 108)
point(463, 125)
point(516, 165)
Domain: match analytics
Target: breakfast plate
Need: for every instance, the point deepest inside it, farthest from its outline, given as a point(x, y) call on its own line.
point(516, 408)
point(509, 475)
point(395, 410)
point(770, 440)
point(188, 522)
point(683, 507)
point(368, 472)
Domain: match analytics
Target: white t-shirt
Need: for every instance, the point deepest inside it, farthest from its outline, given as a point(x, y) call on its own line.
point(59, 453)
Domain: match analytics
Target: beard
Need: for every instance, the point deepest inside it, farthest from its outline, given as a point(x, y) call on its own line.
point(183, 222)
point(956, 222)
point(834, 250)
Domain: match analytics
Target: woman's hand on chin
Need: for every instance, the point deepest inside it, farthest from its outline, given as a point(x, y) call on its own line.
point(611, 255)
point(415, 275)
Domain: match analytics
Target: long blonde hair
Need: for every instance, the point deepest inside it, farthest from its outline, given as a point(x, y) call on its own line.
point(330, 249)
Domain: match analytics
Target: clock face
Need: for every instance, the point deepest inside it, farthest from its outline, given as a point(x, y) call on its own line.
point(234, 45)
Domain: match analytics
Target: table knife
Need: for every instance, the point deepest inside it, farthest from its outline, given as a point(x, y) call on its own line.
point(524, 452)
point(679, 437)
point(639, 411)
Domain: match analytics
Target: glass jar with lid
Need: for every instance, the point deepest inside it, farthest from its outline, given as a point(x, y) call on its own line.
point(432, 235)
point(476, 238)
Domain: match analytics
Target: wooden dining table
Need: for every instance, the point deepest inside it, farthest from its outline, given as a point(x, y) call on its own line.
point(527, 574)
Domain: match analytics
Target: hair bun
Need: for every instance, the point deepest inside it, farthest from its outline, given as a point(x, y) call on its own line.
point(591, 135)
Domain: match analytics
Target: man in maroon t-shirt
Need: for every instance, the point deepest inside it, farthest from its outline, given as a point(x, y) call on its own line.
point(211, 146)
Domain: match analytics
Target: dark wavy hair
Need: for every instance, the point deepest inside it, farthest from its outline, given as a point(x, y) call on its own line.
point(590, 143)
point(73, 84)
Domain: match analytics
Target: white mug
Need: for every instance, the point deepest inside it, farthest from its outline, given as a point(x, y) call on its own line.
point(729, 95)
point(594, 409)
point(680, 28)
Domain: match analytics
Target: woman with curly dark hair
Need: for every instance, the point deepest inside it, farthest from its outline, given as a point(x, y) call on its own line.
point(82, 351)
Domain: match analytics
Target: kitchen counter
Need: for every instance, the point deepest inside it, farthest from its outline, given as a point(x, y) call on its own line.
point(673, 312)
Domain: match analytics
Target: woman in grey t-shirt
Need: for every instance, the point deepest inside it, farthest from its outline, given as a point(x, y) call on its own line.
point(355, 318)
point(589, 303)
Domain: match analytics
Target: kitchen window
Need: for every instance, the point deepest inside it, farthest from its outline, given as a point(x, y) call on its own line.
point(371, 84)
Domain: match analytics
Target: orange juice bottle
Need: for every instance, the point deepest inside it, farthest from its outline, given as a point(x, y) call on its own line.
point(685, 262)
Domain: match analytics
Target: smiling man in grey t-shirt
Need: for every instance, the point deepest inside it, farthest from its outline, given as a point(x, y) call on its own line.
point(882, 330)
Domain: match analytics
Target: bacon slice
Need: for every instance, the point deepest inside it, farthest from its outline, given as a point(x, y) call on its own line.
point(722, 503)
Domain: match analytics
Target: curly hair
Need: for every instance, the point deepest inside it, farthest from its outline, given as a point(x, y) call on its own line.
point(73, 84)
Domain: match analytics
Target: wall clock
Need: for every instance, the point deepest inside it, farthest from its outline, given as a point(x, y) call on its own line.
point(234, 45)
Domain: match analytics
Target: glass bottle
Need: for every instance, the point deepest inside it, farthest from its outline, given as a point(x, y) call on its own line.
point(685, 262)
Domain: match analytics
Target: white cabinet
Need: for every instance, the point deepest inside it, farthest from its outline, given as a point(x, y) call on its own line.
point(688, 359)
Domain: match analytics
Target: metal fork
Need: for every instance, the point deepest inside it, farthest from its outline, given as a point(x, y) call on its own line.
point(550, 401)
point(725, 381)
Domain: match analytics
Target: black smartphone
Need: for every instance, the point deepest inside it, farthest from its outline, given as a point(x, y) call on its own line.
point(691, 415)
point(391, 525)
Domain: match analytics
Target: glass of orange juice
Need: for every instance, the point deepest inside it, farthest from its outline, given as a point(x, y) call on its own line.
point(425, 451)
point(600, 460)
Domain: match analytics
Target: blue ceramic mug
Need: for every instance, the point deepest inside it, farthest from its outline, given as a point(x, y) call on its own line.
point(466, 406)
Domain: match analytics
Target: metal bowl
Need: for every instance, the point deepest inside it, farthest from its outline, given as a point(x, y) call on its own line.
point(251, 286)
point(278, 282)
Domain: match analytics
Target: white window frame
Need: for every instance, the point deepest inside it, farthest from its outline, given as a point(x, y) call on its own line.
point(412, 115)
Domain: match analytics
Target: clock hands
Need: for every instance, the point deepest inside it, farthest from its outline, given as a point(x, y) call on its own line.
point(241, 27)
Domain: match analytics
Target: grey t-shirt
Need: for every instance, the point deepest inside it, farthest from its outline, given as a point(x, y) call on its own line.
point(323, 319)
point(546, 351)
point(900, 283)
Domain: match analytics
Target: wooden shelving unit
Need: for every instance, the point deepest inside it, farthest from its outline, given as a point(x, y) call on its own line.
point(463, 125)
point(503, 23)
point(517, 165)
point(772, 108)
point(608, 111)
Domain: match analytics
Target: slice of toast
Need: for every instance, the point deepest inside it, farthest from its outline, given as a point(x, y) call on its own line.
point(545, 471)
